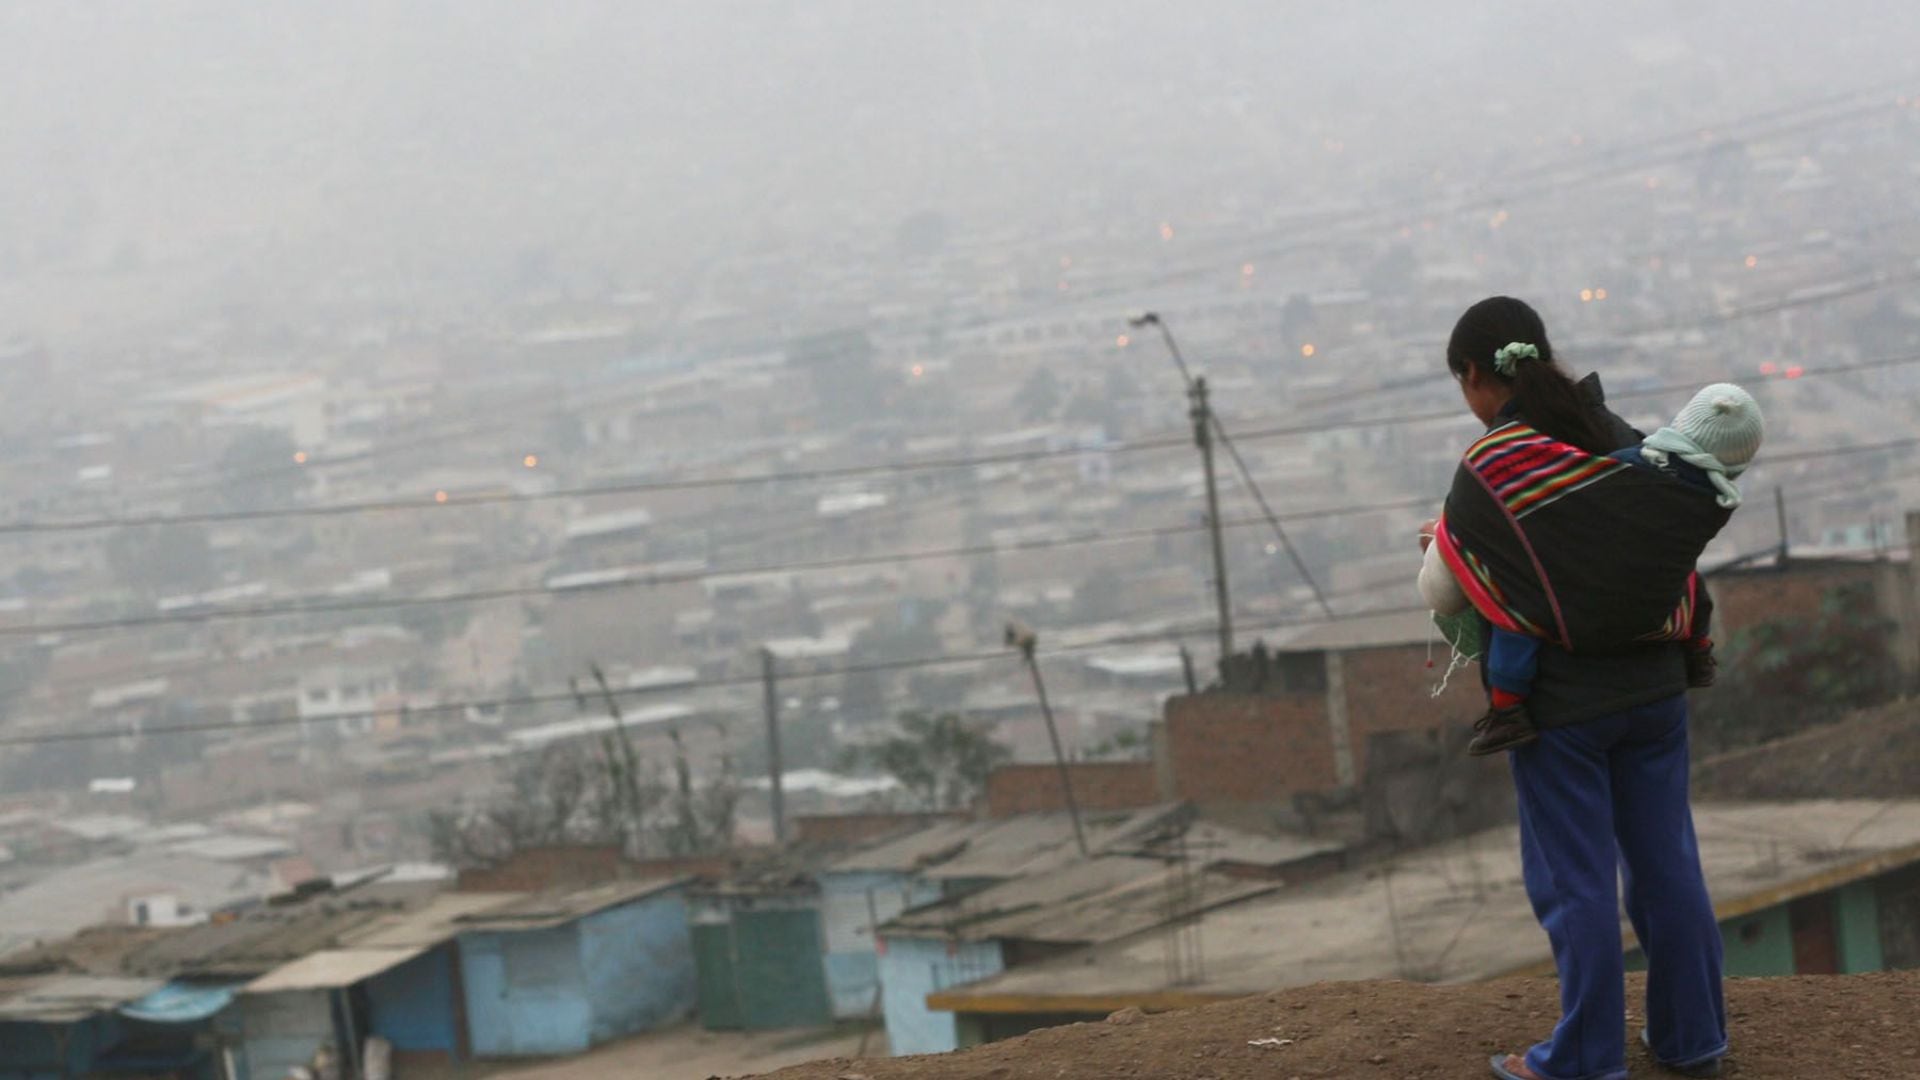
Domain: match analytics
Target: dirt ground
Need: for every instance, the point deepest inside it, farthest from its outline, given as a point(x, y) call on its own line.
point(1782, 1029)
point(683, 1053)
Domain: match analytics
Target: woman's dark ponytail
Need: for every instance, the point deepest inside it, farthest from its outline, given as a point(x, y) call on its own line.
point(1543, 394)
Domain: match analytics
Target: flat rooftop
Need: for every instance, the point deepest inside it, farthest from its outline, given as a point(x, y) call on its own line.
point(1455, 912)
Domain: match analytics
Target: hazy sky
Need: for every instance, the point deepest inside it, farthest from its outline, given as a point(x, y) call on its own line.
point(167, 155)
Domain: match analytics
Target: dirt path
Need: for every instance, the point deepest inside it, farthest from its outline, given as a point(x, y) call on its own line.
point(686, 1053)
point(1782, 1029)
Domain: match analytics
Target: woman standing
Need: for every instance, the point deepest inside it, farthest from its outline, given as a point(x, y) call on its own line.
point(1604, 789)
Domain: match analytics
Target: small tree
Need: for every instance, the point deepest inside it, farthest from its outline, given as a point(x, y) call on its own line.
point(941, 761)
point(586, 793)
point(1784, 675)
point(560, 796)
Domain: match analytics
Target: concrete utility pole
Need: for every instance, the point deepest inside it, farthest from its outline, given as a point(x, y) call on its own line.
point(1780, 515)
point(1202, 415)
point(775, 769)
point(1025, 640)
point(1203, 435)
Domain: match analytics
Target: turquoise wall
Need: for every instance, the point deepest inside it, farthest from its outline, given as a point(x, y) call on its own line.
point(638, 960)
point(912, 968)
point(1857, 923)
point(562, 990)
point(1759, 944)
point(526, 993)
point(412, 1005)
point(851, 904)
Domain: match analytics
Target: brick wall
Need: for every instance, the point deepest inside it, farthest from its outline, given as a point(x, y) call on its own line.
point(1231, 747)
point(1097, 785)
point(1390, 689)
point(1249, 748)
point(844, 830)
point(1743, 598)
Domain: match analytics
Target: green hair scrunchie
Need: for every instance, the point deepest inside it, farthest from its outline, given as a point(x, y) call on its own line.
point(1509, 356)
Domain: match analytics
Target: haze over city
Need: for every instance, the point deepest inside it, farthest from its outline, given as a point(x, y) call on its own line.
point(441, 431)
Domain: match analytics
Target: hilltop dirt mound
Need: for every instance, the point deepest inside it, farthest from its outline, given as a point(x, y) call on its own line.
point(1870, 755)
point(1782, 1029)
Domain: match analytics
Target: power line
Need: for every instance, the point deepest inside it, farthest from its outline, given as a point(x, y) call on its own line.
point(1146, 637)
point(1260, 498)
point(815, 565)
point(840, 563)
point(1851, 104)
point(472, 423)
point(722, 682)
point(652, 580)
point(454, 500)
point(1326, 225)
point(1455, 413)
point(934, 464)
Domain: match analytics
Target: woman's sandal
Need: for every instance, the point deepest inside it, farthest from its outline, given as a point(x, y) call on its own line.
point(1708, 1069)
point(1512, 1067)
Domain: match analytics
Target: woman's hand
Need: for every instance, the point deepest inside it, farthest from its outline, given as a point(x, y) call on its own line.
point(1427, 530)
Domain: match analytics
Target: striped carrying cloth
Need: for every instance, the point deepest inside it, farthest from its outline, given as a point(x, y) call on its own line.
point(1587, 552)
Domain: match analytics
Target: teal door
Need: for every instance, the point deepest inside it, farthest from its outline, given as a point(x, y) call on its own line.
point(713, 961)
point(781, 972)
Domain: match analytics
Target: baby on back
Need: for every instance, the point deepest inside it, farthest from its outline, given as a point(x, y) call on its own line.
point(1709, 444)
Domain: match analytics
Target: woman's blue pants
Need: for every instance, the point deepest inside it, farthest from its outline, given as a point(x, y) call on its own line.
point(1605, 796)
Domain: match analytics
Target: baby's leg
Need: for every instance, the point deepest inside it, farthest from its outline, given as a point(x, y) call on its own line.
point(1512, 661)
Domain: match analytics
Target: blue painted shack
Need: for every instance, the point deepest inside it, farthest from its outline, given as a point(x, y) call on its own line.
point(757, 950)
point(317, 1006)
point(558, 973)
point(787, 941)
point(173, 1032)
point(391, 973)
point(862, 891)
point(934, 947)
point(913, 967)
point(58, 1026)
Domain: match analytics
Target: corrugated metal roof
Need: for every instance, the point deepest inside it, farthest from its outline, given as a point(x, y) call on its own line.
point(916, 850)
point(330, 969)
point(1003, 848)
point(1209, 843)
point(543, 910)
point(64, 999)
point(1458, 910)
point(438, 921)
point(97, 950)
point(1093, 900)
point(1035, 843)
point(259, 941)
